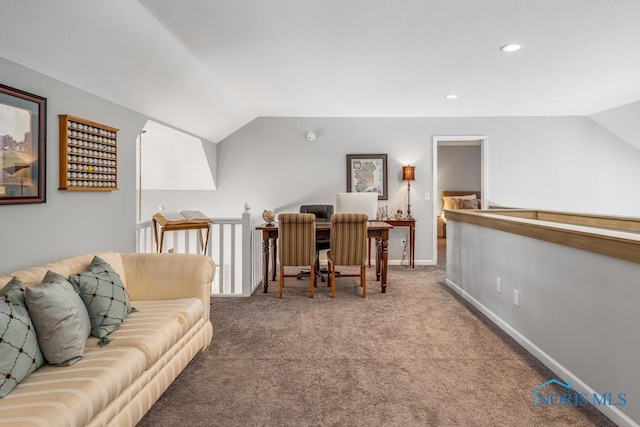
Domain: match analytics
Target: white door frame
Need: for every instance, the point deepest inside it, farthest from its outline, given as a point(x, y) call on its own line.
point(439, 140)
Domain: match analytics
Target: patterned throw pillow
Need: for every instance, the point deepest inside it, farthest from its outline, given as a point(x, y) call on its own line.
point(470, 204)
point(105, 297)
point(60, 318)
point(19, 351)
point(466, 203)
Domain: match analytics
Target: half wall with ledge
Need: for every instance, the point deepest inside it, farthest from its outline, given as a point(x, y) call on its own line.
point(565, 286)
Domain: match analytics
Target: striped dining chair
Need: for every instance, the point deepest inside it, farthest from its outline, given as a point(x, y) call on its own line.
point(297, 246)
point(348, 247)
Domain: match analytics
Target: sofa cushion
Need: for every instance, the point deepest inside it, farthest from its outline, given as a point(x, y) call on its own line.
point(155, 327)
point(105, 297)
point(60, 318)
point(72, 396)
point(19, 351)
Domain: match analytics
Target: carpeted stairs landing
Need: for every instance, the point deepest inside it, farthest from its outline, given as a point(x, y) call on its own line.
point(415, 356)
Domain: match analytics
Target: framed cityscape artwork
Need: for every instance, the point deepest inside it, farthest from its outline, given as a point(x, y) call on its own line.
point(23, 126)
point(367, 173)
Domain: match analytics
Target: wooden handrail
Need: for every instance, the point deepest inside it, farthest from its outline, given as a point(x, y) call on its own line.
point(613, 236)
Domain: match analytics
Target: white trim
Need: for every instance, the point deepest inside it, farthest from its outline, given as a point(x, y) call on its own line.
point(481, 140)
point(611, 412)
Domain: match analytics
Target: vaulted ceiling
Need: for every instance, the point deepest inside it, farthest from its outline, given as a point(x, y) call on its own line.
point(210, 66)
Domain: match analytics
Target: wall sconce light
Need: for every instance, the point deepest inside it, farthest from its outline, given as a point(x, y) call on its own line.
point(409, 174)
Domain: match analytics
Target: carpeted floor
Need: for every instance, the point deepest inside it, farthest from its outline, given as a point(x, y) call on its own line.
point(415, 356)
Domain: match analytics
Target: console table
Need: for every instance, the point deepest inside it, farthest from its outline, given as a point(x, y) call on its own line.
point(411, 224)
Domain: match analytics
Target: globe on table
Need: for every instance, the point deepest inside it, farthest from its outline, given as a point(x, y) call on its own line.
point(269, 216)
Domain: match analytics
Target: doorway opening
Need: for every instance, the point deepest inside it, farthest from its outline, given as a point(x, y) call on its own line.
point(461, 162)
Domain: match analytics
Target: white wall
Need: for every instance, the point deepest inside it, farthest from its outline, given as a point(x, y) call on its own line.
point(459, 168)
point(179, 170)
point(562, 163)
point(579, 309)
point(70, 223)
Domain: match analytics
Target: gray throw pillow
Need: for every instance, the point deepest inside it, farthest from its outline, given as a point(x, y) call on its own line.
point(60, 317)
point(105, 297)
point(19, 351)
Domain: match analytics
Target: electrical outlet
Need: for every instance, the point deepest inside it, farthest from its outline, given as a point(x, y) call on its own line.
point(516, 298)
point(403, 242)
point(499, 285)
point(427, 196)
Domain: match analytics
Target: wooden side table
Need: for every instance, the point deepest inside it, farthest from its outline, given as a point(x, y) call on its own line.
point(164, 225)
point(411, 224)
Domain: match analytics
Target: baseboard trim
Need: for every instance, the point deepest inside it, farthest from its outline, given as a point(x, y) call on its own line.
point(611, 412)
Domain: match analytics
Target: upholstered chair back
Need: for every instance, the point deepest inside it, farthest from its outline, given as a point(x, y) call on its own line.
point(349, 238)
point(297, 239)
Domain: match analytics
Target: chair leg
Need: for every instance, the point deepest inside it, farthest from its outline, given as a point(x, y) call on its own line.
point(332, 279)
point(281, 282)
point(312, 281)
point(363, 280)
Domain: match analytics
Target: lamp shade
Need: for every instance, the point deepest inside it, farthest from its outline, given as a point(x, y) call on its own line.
point(408, 173)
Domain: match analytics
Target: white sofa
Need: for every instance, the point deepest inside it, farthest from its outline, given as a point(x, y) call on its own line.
point(118, 383)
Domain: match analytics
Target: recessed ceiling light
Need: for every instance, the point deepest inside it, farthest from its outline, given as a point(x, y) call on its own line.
point(511, 47)
point(451, 96)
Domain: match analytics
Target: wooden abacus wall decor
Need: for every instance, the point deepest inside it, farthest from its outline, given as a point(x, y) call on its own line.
point(88, 155)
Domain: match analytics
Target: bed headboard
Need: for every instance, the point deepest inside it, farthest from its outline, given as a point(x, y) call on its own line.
point(462, 193)
point(454, 193)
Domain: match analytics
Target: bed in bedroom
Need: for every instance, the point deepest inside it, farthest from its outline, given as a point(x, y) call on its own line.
point(457, 199)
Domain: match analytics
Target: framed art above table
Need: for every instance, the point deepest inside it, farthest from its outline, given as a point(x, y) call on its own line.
point(367, 173)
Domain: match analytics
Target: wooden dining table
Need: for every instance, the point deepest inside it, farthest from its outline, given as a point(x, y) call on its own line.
point(377, 230)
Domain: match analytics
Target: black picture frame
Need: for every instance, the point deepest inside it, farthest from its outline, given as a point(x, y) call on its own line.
point(23, 138)
point(367, 173)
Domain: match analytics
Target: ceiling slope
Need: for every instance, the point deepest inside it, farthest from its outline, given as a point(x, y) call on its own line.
point(390, 58)
point(210, 66)
point(623, 122)
point(120, 52)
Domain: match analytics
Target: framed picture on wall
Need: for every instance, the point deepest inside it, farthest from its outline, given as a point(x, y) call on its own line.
point(23, 126)
point(367, 173)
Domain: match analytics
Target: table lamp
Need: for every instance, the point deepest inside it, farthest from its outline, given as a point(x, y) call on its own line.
point(409, 174)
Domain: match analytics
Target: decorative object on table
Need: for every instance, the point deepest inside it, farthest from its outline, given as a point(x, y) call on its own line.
point(367, 173)
point(398, 214)
point(88, 155)
point(383, 213)
point(408, 174)
point(269, 216)
point(182, 217)
point(23, 124)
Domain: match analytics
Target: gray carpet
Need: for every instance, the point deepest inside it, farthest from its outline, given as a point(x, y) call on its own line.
point(415, 356)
